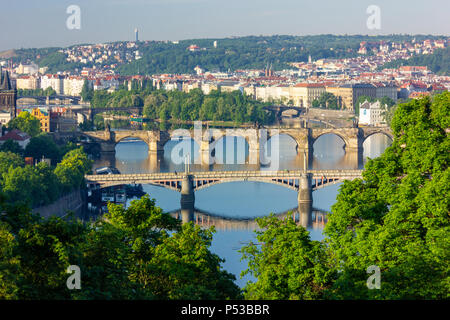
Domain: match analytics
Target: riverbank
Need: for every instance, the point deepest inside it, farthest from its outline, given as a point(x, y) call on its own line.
point(72, 202)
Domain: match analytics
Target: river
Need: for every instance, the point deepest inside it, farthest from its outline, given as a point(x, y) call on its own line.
point(223, 202)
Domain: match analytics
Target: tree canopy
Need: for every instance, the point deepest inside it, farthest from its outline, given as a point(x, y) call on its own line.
point(134, 253)
point(396, 218)
point(25, 122)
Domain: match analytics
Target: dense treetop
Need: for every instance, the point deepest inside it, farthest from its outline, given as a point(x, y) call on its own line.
point(137, 253)
point(395, 218)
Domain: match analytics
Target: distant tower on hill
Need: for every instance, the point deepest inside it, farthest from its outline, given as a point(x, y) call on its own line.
point(215, 44)
point(309, 59)
point(136, 32)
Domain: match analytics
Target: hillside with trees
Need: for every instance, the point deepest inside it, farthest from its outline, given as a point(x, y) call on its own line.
point(178, 105)
point(231, 53)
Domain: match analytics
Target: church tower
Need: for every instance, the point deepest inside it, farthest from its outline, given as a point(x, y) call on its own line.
point(8, 95)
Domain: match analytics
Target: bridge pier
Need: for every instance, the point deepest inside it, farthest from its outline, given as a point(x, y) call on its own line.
point(187, 192)
point(107, 148)
point(205, 152)
point(155, 146)
point(305, 199)
point(187, 215)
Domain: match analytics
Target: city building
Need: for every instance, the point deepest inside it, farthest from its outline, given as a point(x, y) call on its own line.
point(344, 95)
point(16, 135)
point(54, 81)
point(28, 82)
point(5, 117)
point(386, 90)
point(371, 114)
point(73, 85)
point(44, 118)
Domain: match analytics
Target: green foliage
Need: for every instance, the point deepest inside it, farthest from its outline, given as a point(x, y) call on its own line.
point(9, 264)
point(326, 100)
point(56, 61)
point(33, 185)
point(8, 160)
point(36, 92)
point(25, 122)
point(178, 105)
point(137, 253)
point(72, 169)
point(11, 146)
point(396, 218)
point(288, 265)
point(251, 52)
point(40, 185)
point(87, 92)
point(43, 146)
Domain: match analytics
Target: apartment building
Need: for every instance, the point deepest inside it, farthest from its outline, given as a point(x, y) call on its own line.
point(73, 85)
point(44, 118)
point(371, 114)
point(28, 82)
point(54, 81)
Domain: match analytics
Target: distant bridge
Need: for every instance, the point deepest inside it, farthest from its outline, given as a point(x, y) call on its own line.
point(46, 99)
point(353, 138)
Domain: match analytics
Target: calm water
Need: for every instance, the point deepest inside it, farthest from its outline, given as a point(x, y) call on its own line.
point(227, 203)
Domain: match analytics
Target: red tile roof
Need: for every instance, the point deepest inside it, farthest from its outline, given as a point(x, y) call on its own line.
point(15, 135)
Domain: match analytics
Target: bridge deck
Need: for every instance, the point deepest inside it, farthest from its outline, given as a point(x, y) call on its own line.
point(210, 175)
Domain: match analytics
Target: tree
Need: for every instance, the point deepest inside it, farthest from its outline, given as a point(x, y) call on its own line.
point(9, 160)
point(72, 169)
point(326, 100)
point(397, 217)
point(33, 185)
point(9, 264)
point(43, 146)
point(11, 146)
point(177, 266)
point(287, 263)
point(25, 122)
point(87, 92)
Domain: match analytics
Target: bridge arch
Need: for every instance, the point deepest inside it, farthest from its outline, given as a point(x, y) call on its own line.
point(380, 131)
point(344, 138)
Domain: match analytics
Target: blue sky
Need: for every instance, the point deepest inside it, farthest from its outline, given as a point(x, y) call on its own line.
point(42, 23)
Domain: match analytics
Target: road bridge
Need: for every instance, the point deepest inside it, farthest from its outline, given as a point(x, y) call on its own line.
point(46, 99)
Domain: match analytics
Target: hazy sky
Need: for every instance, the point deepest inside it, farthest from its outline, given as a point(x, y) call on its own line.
point(42, 23)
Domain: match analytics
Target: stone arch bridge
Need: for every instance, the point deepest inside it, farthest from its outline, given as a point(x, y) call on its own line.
point(353, 138)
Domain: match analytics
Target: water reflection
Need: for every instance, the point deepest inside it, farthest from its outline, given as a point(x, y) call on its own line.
point(311, 220)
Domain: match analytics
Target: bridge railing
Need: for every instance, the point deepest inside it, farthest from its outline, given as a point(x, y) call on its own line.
point(224, 174)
